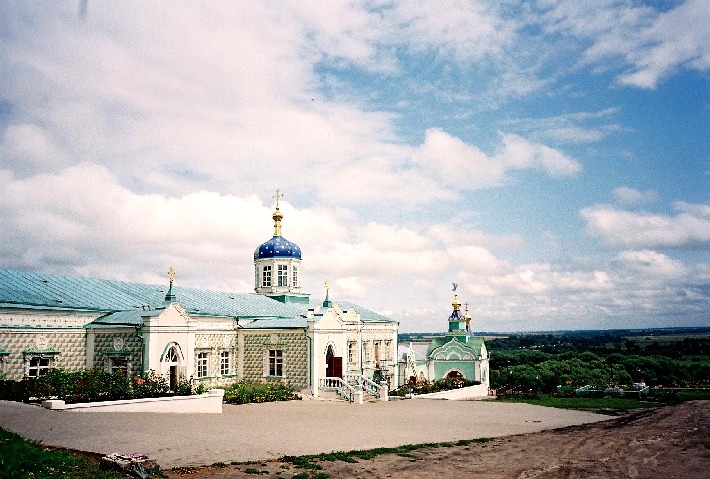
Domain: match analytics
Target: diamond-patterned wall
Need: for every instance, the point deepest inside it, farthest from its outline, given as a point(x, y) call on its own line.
point(105, 342)
point(70, 344)
point(295, 356)
point(215, 344)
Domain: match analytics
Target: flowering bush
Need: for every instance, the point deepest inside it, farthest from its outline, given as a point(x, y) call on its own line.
point(247, 392)
point(432, 387)
point(92, 385)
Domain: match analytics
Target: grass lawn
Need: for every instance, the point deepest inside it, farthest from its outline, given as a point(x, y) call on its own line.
point(601, 405)
point(23, 459)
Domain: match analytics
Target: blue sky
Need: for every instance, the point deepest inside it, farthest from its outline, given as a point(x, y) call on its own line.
point(552, 158)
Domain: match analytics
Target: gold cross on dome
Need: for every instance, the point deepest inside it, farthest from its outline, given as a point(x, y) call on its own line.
point(277, 196)
point(171, 274)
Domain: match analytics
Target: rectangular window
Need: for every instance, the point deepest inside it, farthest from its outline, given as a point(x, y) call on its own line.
point(118, 365)
point(38, 366)
point(224, 363)
point(276, 362)
point(351, 351)
point(283, 275)
point(266, 277)
point(294, 276)
point(201, 365)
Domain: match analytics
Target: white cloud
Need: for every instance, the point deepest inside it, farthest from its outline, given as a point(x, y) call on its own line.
point(469, 31)
point(652, 265)
point(628, 229)
point(650, 44)
point(575, 128)
point(677, 39)
point(457, 163)
point(629, 197)
point(27, 147)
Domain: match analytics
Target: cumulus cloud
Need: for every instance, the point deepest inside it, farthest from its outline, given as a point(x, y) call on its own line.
point(455, 162)
point(689, 228)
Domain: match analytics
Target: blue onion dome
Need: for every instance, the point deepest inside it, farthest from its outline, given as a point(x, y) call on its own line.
point(278, 247)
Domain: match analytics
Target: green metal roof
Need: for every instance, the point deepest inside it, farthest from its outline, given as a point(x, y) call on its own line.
point(277, 323)
point(24, 289)
point(127, 302)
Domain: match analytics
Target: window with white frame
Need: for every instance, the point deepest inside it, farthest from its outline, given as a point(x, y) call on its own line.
point(201, 365)
point(352, 345)
point(283, 275)
point(38, 366)
point(266, 276)
point(276, 363)
point(378, 345)
point(224, 363)
point(388, 346)
point(294, 276)
point(366, 348)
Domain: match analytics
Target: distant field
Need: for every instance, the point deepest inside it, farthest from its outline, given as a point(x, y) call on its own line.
point(667, 338)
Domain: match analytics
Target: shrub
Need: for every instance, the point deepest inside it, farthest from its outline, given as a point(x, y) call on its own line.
point(244, 392)
point(89, 385)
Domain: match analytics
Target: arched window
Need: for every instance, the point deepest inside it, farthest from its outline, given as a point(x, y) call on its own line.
point(171, 356)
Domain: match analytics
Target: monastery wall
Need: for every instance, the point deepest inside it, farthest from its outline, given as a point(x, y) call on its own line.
point(293, 344)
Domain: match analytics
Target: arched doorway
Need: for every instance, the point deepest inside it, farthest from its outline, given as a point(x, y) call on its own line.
point(170, 363)
point(333, 363)
point(455, 374)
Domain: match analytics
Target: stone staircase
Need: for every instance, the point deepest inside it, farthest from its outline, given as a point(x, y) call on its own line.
point(353, 389)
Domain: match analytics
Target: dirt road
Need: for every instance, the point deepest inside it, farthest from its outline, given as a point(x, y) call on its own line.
point(669, 442)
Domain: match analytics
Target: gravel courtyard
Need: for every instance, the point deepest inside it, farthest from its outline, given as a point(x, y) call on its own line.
point(267, 431)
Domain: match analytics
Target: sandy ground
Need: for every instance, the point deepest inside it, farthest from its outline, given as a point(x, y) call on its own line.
point(253, 432)
point(670, 442)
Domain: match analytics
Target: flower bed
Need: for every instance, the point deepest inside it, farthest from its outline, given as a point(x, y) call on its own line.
point(91, 385)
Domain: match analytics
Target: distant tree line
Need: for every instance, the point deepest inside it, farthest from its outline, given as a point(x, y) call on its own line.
point(543, 362)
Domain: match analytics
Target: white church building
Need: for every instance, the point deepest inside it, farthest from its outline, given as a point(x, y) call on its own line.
point(278, 333)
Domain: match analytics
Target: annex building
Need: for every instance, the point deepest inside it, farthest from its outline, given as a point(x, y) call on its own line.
point(279, 333)
point(459, 353)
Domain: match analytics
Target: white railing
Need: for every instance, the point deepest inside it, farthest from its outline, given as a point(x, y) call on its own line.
point(365, 384)
point(342, 388)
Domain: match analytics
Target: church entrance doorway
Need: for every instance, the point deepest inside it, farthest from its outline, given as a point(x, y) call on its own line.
point(173, 377)
point(454, 374)
point(333, 364)
point(171, 364)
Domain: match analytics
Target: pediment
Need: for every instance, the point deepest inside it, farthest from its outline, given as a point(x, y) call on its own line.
point(330, 319)
point(453, 350)
point(173, 315)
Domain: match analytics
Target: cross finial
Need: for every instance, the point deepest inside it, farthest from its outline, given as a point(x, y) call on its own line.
point(455, 285)
point(326, 287)
point(277, 196)
point(171, 274)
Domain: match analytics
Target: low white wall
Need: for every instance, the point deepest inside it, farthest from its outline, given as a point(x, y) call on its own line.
point(211, 402)
point(471, 392)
